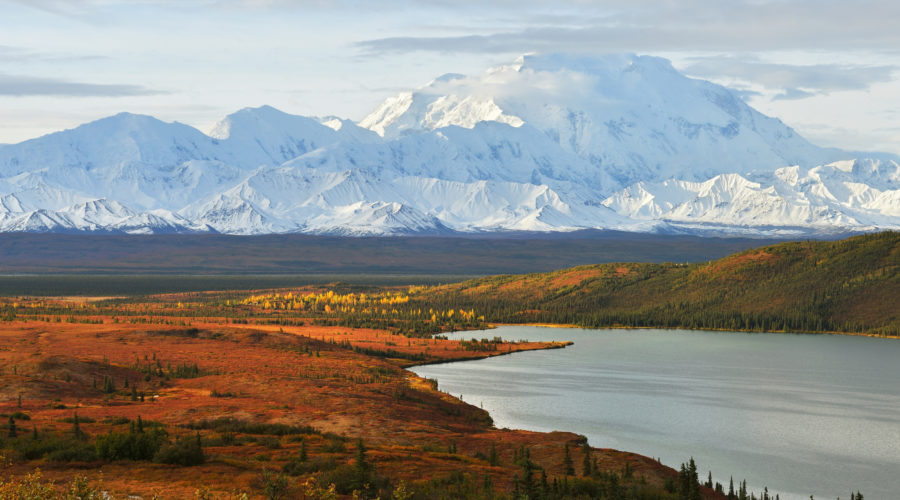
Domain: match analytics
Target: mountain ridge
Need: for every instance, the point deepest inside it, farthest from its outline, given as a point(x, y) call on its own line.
point(548, 143)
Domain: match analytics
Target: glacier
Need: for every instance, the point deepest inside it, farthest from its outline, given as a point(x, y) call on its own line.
point(547, 143)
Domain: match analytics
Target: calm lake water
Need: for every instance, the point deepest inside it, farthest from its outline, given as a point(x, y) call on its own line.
point(803, 414)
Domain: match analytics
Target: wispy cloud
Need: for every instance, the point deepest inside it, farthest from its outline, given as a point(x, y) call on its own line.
point(20, 85)
point(11, 54)
point(792, 81)
point(822, 77)
point(690, 25)
point(792, 94)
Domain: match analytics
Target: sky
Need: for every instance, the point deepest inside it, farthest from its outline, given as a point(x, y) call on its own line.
point(830, 69)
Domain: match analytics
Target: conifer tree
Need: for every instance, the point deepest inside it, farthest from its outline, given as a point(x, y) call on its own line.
point(567, 462)
point(76, 428)
point(493, 459)
point(360, 465)
point(694, 482)
point(586, 463)
point(12, 433)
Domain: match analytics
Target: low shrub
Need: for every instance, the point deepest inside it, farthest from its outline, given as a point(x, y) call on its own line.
point(185, 451)
point(319, 464)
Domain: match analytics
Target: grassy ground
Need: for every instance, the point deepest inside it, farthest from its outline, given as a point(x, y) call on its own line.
point(256, 394)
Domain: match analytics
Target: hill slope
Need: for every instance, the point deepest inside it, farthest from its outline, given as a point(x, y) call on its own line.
point(852, 285)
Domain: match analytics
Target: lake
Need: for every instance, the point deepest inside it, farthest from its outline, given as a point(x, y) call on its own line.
point(803, 414)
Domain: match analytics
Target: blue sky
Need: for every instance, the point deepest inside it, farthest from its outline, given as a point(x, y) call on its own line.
point(830, 69)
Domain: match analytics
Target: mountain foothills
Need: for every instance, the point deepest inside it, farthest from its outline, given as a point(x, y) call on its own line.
point(548, 143)
point(851, 286)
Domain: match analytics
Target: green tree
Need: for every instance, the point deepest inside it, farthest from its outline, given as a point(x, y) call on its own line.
point(361, 466)
point(586, 464)
point(12, 433)
point(567, 462)
point(76, 428)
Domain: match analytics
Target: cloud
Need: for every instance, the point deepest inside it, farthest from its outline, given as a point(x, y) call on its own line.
point(791, 81)
point(20, 86)
point(12, 54)
point(689, 25)
point(746, 94)
point(792, 94)
point(468, 43)
point(820, 77)
point(60, 7)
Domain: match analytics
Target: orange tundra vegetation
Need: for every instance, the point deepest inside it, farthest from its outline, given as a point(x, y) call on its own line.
point(220, 395)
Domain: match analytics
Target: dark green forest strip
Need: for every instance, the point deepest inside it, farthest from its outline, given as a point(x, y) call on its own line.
point(851, 286)
point(56, 285)
point(303, 254)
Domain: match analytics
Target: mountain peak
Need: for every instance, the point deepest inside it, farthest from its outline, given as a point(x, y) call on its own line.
point(635, 115)
point(249, 119)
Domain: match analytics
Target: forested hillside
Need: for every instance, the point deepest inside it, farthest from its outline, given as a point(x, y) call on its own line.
point(851, 285)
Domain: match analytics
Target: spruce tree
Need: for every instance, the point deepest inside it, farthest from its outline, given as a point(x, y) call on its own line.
point(684, 483)
point(586, 462)
point(12, 433)
point(694, 482)
point(76, 428)
point(493, 459)
point(567, 462)
point(360, 466)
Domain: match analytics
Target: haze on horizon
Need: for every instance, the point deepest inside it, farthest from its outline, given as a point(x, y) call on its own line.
point(828, 69)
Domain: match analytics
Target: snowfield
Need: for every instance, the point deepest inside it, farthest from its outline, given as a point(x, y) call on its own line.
point(548, 143)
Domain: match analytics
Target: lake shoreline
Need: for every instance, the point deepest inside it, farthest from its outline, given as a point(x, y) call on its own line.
point(501, 384)
point(492, 326)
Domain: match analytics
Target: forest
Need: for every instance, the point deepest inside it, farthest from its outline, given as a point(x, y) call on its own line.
point(846, 286)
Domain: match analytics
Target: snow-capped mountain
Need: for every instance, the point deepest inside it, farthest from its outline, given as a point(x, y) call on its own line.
point(549, 143)
point(635, 117)
point(838, 195)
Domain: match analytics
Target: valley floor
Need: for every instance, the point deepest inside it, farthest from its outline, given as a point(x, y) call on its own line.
point(274, 398)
